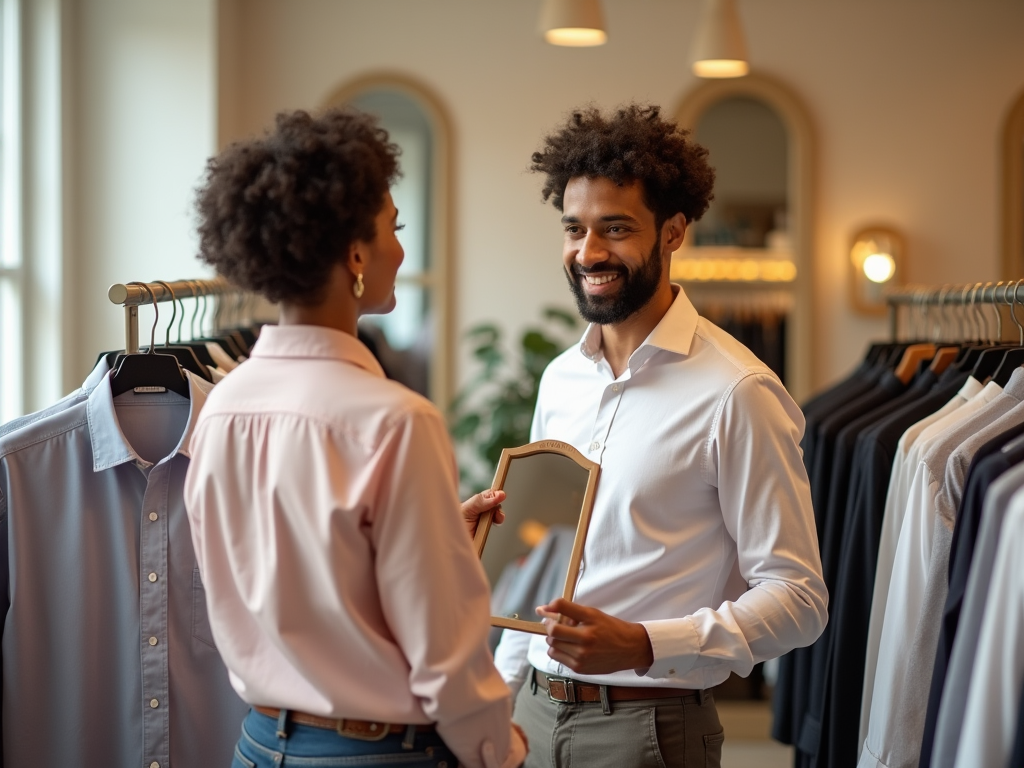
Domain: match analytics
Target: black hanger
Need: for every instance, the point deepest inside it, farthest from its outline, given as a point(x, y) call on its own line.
point(149, 371)
point(1014, 356)
point(185, 355)
point(227, 344)
point(978, 357)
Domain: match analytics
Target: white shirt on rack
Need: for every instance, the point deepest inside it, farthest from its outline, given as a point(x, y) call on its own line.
point(339, 574)
point(702, 528)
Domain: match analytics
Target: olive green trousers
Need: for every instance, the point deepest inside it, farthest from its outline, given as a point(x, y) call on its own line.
point(682, 732)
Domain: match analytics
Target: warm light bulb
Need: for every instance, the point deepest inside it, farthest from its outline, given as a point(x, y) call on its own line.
point(576, 37)
point(720, 68)
point(879, 267)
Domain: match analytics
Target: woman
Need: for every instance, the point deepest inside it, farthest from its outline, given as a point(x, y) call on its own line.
point(344, 594)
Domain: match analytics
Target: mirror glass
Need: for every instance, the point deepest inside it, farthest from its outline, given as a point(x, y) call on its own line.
point(534, 556)
point(403, 340)
point(747, 143)
point(738, 265)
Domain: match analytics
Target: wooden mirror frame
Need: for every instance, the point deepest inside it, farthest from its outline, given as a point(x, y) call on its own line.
point(800, 202)
point(586, 507)
point(1013, 190)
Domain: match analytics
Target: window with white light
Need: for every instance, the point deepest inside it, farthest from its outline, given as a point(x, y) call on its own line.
point(11, 274)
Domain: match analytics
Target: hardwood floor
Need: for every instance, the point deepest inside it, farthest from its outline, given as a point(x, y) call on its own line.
point(747, 742)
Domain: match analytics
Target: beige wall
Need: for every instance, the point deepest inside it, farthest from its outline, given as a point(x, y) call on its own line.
point(907, 100)
point(144, 91)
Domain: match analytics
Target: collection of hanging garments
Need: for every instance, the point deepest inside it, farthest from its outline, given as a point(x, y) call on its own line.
point(757, 318)
point(916, 464)
point(107, 656)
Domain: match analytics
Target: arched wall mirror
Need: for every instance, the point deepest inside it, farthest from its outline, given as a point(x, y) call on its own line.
point(747, 264)
point(413, 342)
point(1013, 191)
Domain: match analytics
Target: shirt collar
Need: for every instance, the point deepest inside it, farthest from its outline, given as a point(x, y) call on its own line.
point(673, 333)
point(97, 375)
point(314, 342)
point(109, 446)
point(1015, 386)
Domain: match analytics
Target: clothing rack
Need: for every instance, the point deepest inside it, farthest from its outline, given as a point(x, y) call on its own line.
point(966, 294)
point(133, 295)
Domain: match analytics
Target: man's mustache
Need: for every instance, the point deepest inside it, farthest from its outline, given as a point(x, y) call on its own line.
point(580, 270)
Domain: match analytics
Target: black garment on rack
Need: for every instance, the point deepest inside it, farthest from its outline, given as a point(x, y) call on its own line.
point(1017, 754)
point(843, 481)
point(790, 704)
point(993, 459)
point(862, 381)
point(816, 409)
point(764, 336)
point(850, 602)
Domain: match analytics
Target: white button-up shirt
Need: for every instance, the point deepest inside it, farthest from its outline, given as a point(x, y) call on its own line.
point(339, 575)
point(702, 527)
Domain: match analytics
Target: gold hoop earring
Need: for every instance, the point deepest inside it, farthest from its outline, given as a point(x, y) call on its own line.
point(358, 287)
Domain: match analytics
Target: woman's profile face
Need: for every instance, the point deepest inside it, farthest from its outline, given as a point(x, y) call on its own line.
point(384, 257)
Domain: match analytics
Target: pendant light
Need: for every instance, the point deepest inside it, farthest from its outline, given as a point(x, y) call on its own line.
point(720, 48)
point(576, 23)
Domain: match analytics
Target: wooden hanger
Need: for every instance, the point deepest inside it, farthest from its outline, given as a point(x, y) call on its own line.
point(943, 358)
point(912, 358)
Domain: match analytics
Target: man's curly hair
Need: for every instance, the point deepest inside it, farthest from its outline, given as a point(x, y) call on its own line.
point(278, 212)
point(634, 144)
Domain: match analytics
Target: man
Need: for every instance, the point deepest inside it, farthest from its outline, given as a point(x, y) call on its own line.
point(701, 557)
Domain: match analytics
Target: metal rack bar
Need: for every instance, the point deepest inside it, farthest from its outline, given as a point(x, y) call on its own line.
point(133, 295)
point(136, 294)
point(962, 294)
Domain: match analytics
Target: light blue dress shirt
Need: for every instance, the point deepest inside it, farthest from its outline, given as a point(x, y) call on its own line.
point(107, 655)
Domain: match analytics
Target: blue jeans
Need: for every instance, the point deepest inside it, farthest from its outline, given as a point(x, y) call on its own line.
point(304, 745)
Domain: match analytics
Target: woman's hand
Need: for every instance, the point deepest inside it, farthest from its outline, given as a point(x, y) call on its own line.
point(482, 502)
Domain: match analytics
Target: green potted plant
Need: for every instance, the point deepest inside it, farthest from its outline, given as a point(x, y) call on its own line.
point(494, 410)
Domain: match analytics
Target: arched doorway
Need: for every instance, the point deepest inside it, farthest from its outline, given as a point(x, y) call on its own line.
point(1013, 191)
point(774, 236)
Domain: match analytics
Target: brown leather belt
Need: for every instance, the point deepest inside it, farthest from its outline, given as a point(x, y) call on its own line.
point(565, 690)
point(356, 729)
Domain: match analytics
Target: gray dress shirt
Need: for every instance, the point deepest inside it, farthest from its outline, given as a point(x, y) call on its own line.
point(107, 655)
point(952, 709)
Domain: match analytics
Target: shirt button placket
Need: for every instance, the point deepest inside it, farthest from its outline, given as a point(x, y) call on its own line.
point(153, 545)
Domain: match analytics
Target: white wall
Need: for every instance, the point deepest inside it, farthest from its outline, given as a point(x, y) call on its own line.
point(907, 99)
point(144, 92)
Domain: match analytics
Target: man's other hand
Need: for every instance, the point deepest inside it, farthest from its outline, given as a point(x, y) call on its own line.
point(591, 642)
point(482, 502)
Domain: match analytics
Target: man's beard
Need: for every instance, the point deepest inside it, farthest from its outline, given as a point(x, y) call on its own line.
point(637, 289)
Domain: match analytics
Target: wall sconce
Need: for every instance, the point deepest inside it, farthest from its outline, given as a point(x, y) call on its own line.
point(575, 23)
point(876, 264)
point(720, 47)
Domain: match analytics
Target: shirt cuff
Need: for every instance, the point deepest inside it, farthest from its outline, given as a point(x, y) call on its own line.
point(675, 645)
point(516, 753)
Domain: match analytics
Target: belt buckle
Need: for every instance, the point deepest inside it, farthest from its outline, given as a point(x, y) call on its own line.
point(570, 690)
point(372, 731)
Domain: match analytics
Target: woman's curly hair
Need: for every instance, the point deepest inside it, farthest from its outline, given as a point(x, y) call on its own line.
point(278, 212)
point(633, 144)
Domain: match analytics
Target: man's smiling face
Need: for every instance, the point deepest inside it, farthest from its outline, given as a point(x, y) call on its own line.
point(612, 249)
